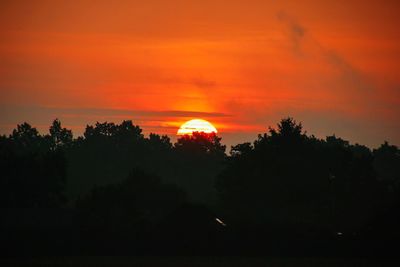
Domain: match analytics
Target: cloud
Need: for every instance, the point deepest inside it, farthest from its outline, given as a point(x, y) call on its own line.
point(199, 82)
point(349, 74)
point(10, 113)
point(309, 48)
point(203, 83)
point(296, 31)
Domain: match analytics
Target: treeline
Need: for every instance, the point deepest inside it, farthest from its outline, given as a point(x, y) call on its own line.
point(115, 191)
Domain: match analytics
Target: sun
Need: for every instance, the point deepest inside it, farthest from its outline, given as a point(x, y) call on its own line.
point(196, 125)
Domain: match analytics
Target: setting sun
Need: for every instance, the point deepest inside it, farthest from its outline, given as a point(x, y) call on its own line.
point(196, 125)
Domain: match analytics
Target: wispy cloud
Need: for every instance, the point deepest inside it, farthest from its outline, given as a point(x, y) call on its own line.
point(296, 31)
point(12, 112)
point(304, 44)
point(203, 83)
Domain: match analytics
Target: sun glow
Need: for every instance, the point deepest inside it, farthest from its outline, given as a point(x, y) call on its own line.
point(196, 125)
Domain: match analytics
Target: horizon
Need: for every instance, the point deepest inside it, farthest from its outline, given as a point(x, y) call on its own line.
point(44, 129)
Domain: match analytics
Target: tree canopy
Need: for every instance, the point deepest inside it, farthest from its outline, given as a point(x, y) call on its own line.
point(139, 190)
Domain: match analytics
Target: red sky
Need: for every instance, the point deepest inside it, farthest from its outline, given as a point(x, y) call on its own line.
point(242, 65)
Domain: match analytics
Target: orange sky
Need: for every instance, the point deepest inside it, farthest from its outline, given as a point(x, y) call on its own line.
point(242, 65)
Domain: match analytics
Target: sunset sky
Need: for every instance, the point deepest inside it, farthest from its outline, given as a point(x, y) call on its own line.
point(242, 65)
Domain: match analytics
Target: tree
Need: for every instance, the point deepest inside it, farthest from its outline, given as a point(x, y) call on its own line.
point(127, 211)
point(27, 138)
point(201, 144)
point(198, 159)
point(281, 181)
point(159, 143)
point(387, 163)
point(287, 135)
point(33, 175)
point(241, 150)
point(60, 137)
point(105, 155)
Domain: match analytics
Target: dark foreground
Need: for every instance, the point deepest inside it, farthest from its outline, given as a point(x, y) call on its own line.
point(117, 198)
point(198, 261)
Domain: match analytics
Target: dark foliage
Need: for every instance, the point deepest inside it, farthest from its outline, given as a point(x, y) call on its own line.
point(115, 191)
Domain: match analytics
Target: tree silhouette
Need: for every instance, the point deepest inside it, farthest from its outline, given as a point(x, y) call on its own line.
point(127, 211)
point(200, 144)
point(159, 143)
point(33, 174)
point(387, 163)
point(105, 155)
point(199, 158)
point(60, 137)
point(288, 178)
point(287, 191)
point(27, 139)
